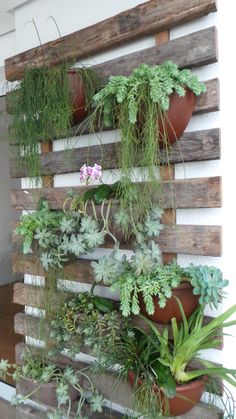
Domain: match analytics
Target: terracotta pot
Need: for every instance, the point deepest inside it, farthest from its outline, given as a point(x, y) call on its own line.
point(187, 395)
point(184, 292)
point(77, 89)
point(177, 117)
point(44, 393)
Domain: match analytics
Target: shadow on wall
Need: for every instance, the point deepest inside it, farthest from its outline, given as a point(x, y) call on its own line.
point(6, 213)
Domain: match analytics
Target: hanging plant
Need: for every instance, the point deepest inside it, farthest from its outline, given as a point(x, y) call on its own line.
point(44, 106)
point(46, 383)
point(86, 321)
point(142, 107)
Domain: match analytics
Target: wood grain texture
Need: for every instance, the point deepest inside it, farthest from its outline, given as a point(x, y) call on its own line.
point(147, 18)
point(192, 50)
point(78, 270)
point(192, 146)
point(202, 240)
point(29, 412)
point(184, 193)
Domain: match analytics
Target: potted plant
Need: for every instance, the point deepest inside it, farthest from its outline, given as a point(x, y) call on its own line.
point(41, 380)
point(192, 286)
point(86, 321)
point(45, 105)
point(146, 285)
point(151, 108)
point(161, 370)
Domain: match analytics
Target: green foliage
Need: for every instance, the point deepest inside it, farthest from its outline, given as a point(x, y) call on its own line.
point(41, 108)
point(36, 366)
point(86, 320)
point(156, 360)
point(208, 283)
point(59, 236)
point(134, 105)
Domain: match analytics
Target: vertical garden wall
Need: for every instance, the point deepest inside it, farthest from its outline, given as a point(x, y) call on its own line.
point(59, 169)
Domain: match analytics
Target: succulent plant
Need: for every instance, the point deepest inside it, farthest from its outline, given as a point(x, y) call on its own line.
point(207, 282)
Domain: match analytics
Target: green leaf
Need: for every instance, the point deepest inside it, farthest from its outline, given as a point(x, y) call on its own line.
point(102, 192)
point(89, 194)
point(165, 379)
point(42, 203)
point(103, 304)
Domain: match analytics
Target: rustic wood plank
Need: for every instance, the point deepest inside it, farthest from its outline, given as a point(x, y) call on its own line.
point(195, 49)
point(202, 240)
point(28, 295)
point(192, 50)
point(144, 19)
point(209, 102)
point(78, 270)
point(184, 193)
point(192, 146)
point(30, 326)
point(28, 412)
point(191, 240)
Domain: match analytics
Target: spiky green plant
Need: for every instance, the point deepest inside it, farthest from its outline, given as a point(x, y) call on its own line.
point(164, 362)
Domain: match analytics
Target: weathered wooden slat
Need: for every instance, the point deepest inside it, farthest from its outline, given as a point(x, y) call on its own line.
point(144, 19)
point(121, 392)
point(78, 270)
point(209, 102)
point(183, 239)
point(28, 295)
point(192, 146)
point(186, 193)
point(195, 49)
point(28, 412)
point(30, 326)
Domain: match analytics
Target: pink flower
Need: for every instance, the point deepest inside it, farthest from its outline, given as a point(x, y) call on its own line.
point(89, 172)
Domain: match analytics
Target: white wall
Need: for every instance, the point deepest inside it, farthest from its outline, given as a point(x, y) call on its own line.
point(73, 15)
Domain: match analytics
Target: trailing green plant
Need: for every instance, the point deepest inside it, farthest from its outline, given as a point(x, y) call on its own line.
point(137, 105)
point(86, 320)
point(160, 363)
point(41, 109)
point(37, 367)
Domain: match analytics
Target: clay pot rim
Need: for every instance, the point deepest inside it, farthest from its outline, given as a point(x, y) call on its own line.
point(191, 384)
point(180, 387)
